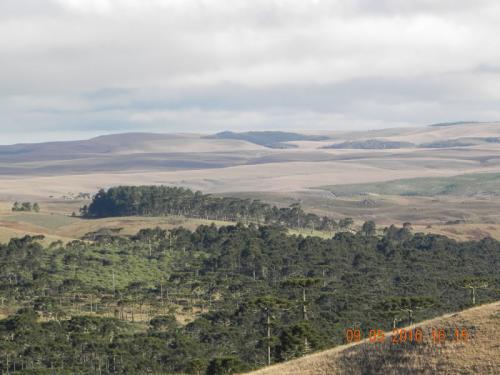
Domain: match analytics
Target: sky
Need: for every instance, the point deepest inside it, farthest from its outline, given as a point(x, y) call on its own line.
point(73, 69)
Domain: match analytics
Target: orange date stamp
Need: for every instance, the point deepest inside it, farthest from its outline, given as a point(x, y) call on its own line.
point(409, 335)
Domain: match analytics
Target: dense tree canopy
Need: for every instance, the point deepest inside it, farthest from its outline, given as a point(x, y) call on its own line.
point(217, 300)
point(165, 200)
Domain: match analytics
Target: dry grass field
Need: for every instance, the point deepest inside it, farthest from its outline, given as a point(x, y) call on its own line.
point(458, 217)
point(308, 173)
point(228, 165)
point(479, 354)
point(54, 221)
point(429, 215)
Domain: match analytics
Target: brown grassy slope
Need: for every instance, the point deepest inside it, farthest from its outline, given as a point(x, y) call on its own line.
point(215, 166)
point(480, 355)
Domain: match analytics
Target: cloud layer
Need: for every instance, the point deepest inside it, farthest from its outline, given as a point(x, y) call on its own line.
point(69, 67)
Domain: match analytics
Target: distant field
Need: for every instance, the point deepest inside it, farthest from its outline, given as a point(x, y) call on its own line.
point(462, 232)
point(461, 218)
point(57, 226)
point(237, 165)
point(462, 185)
point(7, 233)
point(55, 222)
point(49, 221)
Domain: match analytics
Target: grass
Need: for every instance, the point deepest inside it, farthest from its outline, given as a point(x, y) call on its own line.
point(427, 214)
point(462, 232)
point(463, 185)
point(7, 233)
point(56, 223)
point(58, 226)
point(480, 354)
point(478, 216)
point(309, 232)
point(47, 220)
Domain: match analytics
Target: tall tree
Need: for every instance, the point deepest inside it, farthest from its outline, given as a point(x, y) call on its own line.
point(368, 228)
point(346, 223)
point(474, 283)
point(303, 283)
point(269, 305)
point(411, 304)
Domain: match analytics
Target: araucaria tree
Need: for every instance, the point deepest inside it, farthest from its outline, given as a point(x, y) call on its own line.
point(410, 304)
point(303, 283)
point(269, 305)
point(474, 283)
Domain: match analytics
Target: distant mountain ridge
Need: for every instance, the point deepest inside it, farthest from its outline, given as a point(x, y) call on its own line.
point(270, 139)
point(97, 145)
point(384, 144)
point(144, 152)
point(371, 144)
point(453, 123)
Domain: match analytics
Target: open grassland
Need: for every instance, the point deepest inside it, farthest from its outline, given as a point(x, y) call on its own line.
point(55, 222)
point(479, 354)
point(59, 225)
point(479, 184)
point(7, 233)
point(263, 171)
point(427, 188)
point(461, 218)
point(268, 175)
point(462, 232)
point(238, 165)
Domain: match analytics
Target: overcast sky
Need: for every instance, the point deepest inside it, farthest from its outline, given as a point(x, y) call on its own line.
point(78, 68)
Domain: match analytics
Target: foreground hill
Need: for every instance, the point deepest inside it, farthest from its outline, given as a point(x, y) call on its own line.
point(480, 354)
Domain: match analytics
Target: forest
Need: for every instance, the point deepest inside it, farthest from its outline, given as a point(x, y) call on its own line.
point(219, 300)
point(166, 200)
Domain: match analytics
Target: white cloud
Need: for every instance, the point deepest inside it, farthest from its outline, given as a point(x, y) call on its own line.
point(163, 51)
point(212, 120)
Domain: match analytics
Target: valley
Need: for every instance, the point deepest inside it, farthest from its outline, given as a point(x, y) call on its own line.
point(271, 217)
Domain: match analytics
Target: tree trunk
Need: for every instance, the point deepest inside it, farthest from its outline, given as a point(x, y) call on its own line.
point(268, 338)
point(304, 312)
point(304, 308)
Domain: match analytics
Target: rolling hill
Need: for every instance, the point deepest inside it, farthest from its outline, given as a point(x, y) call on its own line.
point(228, 163)
point(371, 144)
point(478, 354)
point(271, 139)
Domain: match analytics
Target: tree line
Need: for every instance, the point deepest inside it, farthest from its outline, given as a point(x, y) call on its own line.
point(166, 200)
